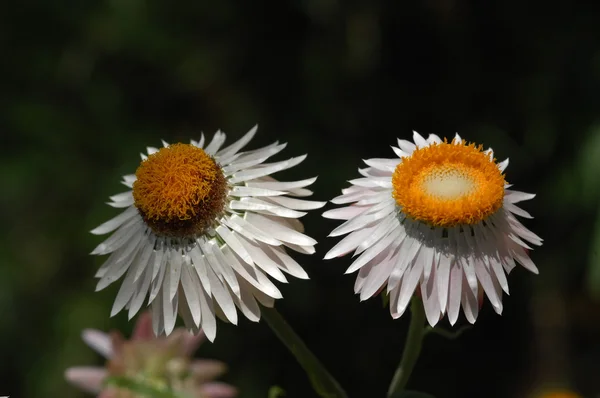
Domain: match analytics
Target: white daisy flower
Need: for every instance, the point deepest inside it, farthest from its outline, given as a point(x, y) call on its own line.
point(438, 219)
point(201, 230)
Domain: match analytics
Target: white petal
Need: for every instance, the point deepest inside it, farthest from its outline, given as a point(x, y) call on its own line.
point(250, 174)
point(278, 230)
point(503, 165)
point(296, 204)
point(388, 165)
point(223, 297)
point(443, 279)
point(241, 191)
point(236, 146)
point(234, 243)
point(419, 140)
point(191, 285)
point(209, 323)
point(455, 292)
point(216, 142)
point(406, 146)
point(511, 196)
point(345, 213)
point(116, 222)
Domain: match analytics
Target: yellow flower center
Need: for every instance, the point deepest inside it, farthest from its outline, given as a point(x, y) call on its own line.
point(445, 185)
point(179, 191)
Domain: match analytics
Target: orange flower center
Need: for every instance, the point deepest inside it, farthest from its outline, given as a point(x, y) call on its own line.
point(448, 184)
point(180, 190)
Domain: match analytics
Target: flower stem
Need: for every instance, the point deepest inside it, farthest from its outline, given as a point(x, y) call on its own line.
point(412, 347)
point(322, 381)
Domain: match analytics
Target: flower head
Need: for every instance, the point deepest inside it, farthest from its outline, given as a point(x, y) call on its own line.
point(201, 230)
point(439, 219)
point(156, 362)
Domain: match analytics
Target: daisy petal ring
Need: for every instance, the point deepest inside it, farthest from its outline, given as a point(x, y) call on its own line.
point(438, 220)
point(202, 231)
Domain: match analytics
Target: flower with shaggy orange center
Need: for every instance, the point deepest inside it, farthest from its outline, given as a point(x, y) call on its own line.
point(437, 219)
point(448, 184)
point(203, 230)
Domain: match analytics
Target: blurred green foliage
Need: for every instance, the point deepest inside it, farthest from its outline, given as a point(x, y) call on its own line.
point(86, 86)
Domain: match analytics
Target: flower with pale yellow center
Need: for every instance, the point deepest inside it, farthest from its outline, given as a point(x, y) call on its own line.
point(202, 231)
point(439, 219)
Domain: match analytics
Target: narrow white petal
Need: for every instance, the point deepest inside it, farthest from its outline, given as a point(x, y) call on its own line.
point(469, 303)
point(383, 164)
point(141, 292)
point(244, 228)
point(253, 173)
point(234, 243)
point(503, 165)
point(406, 146)
point(158, 321)
point(116, 222)
point(400, 153)
point(431, 302)
point(157, 283)
point(516, 210)
point(263, 260)
point(236, 146)
point(455, 292)
point(296, 204)
point(488, 285)
point(378, 275)
point(223, 298)
point(200, 265)
point(169, 307)
point(363, 220)
point(373, 251)
point(216, 142)
point(352, 241)
point(409, 284)
point(175, 272)
point(247, 304)
point(433, 138)
point(128, 180)
point(220, 265)
point(241, 191)
point(511, 196)
point(345, 213)
point(287, 263)
point(258, 205)
point(128, 287)
point(209, 323)
point(522, 257)
point(419, 140)
point(252, 275)
point(123, 236)
point(279, 185)
point(282, 232)
point(191, 285)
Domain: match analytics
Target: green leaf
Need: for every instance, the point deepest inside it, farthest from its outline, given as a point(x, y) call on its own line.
point(276, 392)
point(411, 394)
point(140, 388)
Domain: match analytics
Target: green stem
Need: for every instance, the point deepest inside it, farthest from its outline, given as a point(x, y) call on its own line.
point(322, 381)
point(412, 347)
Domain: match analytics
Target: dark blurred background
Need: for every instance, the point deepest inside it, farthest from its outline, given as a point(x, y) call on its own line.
point(87, 85)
